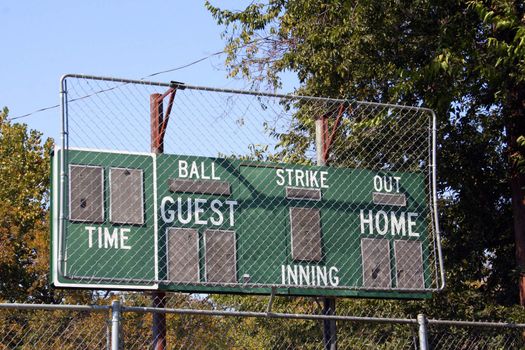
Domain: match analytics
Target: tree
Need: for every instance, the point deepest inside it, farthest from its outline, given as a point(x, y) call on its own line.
point(463, 59)
point(24, 223)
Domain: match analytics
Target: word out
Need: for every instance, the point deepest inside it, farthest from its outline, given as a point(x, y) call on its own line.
point(386, 183)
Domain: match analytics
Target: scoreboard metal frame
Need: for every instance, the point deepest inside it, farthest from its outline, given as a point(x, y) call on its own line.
point(265, 205)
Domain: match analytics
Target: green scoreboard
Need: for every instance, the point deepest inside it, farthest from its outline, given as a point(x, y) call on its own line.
point(199, 224)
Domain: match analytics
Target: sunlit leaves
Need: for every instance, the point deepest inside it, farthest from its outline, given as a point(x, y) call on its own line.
point(462, 59)
point(24, 226)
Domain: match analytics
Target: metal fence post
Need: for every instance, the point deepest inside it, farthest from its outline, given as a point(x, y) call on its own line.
point(423, 333)
point(115, 325)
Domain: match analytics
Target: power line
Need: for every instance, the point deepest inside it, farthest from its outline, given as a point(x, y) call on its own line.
point(184, 66)
point(34, 112)
point(147, 76)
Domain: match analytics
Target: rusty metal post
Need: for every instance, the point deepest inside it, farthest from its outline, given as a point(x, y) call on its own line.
point(158, 298)
point(329, 326)
point(156, 111)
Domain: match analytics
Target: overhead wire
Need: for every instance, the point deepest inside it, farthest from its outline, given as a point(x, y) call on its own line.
point(145, 77)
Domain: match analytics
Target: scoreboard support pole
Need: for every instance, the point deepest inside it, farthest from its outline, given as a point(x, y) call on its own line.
point(158, 125)
point(158, 298)
point(329, 326)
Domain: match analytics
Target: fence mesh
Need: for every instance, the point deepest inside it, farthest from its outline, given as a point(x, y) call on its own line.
point(219, 332)
point(224, 327)
point(53, 329)
point(461, 337)
point(233, 197)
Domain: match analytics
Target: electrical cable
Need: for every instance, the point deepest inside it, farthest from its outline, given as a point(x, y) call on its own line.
point(147, 76)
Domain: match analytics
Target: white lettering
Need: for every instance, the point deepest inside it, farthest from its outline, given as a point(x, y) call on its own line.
point(187, 219)
point(304, 275)
point(213, 177)
point(292, 274)
point(313, 179)
point(398, 226)
point(199, 211)
point(171, 213)
point(411, 223)
point(183, 168)
point(124, 238)
point(378, 183)
point(194, 171)
point(386, 183)
point(321, 276)
point(309, 275)
point(396, 178)
point(302, 178)
point(100, 237)
point(382, 230)
point(197, 171)
point(90, 230)
point(324, 174)
point(215, 205)
point(334, 280)
point(110, 239)
point(383, 222)
point(368, 221)
point(280, 180)
point(203, 172)
point(232, 211)
point(289, 171)
point(307, 178)
point(299, 179)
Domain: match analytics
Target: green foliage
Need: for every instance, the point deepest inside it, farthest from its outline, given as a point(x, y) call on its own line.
point(465, 60)
point(24, 233)
point(503, 21)
point(518, 157)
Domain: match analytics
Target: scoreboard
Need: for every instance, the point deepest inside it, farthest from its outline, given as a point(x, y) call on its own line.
point(218, 225)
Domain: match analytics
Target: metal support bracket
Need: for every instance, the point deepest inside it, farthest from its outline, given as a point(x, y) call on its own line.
point(159, 117)
point(329, 139)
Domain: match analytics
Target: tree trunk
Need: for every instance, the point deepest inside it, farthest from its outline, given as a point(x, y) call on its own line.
point(518, 210)
point(515, 129)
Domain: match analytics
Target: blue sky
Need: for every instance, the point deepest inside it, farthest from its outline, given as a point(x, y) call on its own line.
point(42, 40)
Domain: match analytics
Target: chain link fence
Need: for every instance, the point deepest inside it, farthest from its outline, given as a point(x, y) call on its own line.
point(475, 335)
point(33, 326)
point(119, 326)
point(185, 188)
